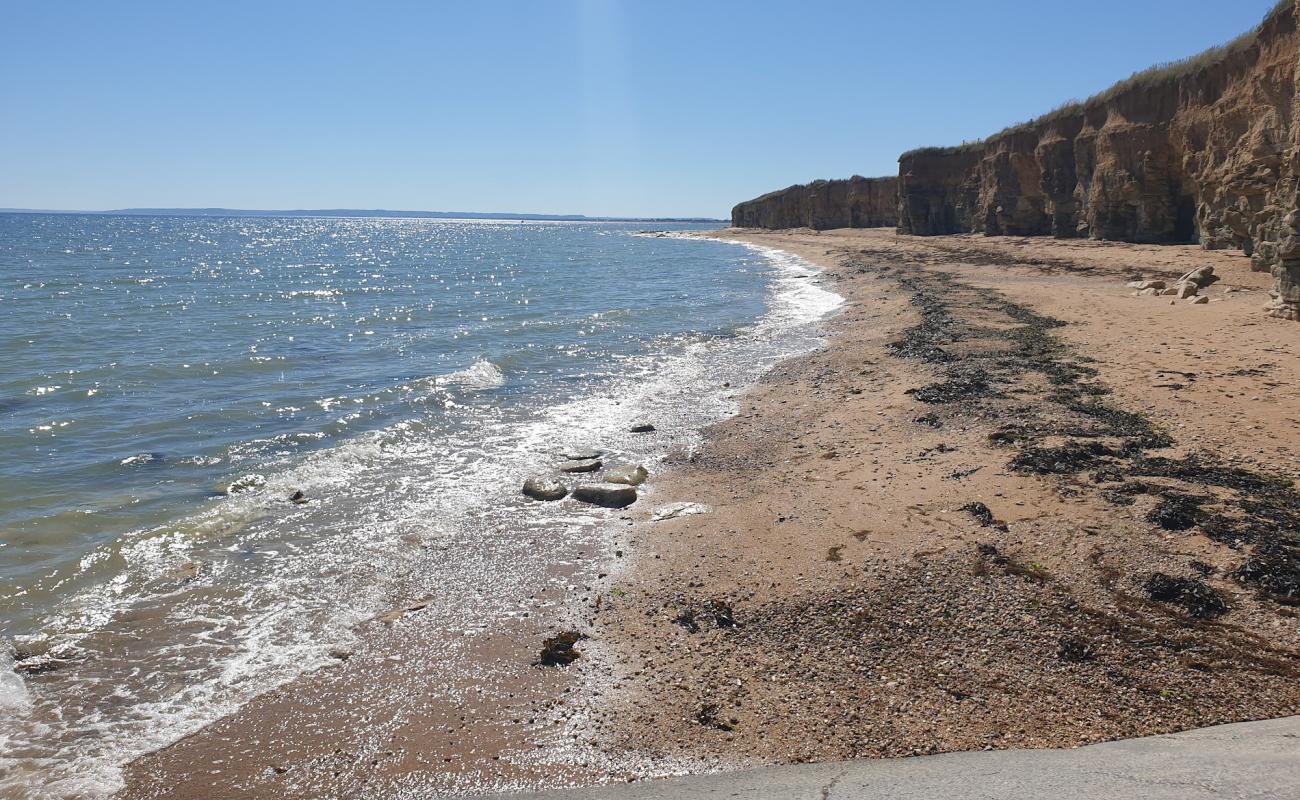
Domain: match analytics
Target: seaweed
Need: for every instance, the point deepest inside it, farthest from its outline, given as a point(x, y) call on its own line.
point(1195, 596)
point(1176, 512)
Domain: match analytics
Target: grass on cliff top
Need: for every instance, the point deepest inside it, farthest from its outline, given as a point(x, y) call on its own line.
point(1151, 76)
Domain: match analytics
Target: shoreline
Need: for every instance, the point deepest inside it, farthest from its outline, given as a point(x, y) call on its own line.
point(862, 594)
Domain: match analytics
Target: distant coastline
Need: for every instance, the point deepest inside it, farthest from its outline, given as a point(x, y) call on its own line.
point(351, 212)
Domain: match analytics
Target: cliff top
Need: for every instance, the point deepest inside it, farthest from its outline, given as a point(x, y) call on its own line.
point(820, 182)
point(1147, 78)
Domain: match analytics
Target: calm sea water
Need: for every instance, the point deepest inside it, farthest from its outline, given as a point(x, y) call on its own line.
point(402, 374)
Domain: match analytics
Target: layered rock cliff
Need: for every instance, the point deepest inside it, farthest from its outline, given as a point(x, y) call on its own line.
point(854, 203)
point(1206, 150)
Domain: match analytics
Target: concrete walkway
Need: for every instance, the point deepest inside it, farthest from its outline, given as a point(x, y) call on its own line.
point(1255, 760)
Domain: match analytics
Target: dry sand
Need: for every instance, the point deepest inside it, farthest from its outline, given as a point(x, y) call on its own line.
point(839, 601)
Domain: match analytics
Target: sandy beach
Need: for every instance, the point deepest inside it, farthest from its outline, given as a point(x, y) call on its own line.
point(1009, 504)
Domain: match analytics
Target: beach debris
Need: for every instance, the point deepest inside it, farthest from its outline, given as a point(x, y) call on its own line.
point(687, 620)
point(574, 467)
point(642, 427)
point(540, 487)
point(980, 512)
point(710, 716)
point(606, 495)
point(630, 474)
point(722, 614)
point(396, 614)
point(298, 497)
point(559, 650)
point(1074, 650)
point(973, 382)
point(675, 510)
point(246, 483)
point(1197, 597)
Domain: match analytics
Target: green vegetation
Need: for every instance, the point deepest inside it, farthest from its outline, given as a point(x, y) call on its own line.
point(1152, 76)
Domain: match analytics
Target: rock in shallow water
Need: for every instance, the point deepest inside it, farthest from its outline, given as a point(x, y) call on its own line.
point(543, 488)
point(629, 474)
point(642, 427)
point(581, 466)
point(608, 495)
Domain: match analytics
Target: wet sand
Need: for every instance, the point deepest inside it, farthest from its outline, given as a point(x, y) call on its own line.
point(844, 598)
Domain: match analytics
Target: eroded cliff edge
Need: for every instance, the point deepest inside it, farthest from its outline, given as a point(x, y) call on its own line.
point(1206, 150)
point(822, 205)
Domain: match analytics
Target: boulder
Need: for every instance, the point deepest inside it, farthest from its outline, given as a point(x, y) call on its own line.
point(1200, 301)
point(1185, 290)
point(630, 474)
point(1152, 285)
point(541, 487)
point(1202, 276)
point(573, 467)
point(607, 495)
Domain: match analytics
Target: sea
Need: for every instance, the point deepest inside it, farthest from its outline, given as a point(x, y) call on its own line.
point(226, 443)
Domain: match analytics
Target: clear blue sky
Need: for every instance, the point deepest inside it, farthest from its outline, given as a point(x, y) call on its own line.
point(649, 108)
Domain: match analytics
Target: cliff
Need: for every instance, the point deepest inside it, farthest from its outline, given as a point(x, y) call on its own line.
point(1206, 150)
point(854, 203)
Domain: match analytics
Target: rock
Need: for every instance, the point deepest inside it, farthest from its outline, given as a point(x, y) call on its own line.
point(1202, 277)
point(1148, 292)
point(1200, 301)
point(1168, 292)
point(1185, 290)
point(581, 454)
point(247, 483)
point(298, 498)
point(541, 487)
point(675, 510)
point(1152, 285)
point(630, 474)
point(642, 427)
point(574, 467)
point(1136, 284)
point(608, 495)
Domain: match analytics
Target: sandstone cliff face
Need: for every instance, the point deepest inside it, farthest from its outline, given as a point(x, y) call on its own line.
point(854, 203)
point(1207, 152)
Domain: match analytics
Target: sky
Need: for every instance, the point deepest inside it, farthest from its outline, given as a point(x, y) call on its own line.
point(650, 108)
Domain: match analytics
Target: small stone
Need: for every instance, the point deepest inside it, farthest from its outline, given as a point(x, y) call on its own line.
point(607, 495)
point(543, 488)
point(630, 474)
point(642, 427)
point(581, 466)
